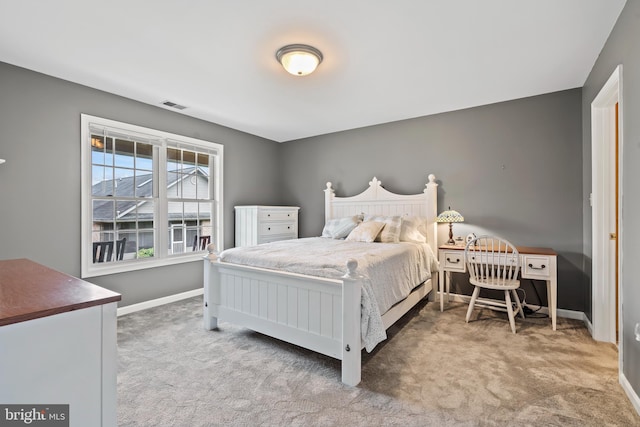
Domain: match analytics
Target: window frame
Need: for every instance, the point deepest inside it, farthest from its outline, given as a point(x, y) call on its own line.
point(162, 140)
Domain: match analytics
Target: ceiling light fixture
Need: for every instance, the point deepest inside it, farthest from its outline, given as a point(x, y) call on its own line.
point(299, 59)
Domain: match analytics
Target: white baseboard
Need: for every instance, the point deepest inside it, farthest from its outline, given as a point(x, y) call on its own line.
point(567, 314)
point(159, 301)
point(588, 323)
point(631, 394)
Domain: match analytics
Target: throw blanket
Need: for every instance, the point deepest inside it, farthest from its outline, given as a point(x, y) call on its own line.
point(391, 270)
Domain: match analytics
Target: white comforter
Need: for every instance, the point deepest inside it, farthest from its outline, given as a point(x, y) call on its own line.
point(392, 270)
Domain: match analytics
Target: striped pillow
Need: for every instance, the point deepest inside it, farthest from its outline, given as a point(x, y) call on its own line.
point(365, 232)
point(392, 227)
point(339, 228)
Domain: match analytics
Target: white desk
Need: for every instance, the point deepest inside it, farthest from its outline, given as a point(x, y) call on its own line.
point(59, 343)
point(536, 263)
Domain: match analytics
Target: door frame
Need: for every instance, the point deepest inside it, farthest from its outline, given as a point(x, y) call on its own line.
point(603, 210)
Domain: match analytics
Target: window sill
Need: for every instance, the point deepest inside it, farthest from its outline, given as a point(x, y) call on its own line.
point(107, 268)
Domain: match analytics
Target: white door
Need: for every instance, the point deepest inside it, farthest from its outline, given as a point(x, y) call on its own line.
point(178, 233)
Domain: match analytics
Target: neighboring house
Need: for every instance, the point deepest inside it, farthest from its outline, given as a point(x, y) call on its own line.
point(133, 220)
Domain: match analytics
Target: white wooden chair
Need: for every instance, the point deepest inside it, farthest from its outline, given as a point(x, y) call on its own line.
point(494, 263)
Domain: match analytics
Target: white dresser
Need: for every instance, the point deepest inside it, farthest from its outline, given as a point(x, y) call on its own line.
point(262, 224)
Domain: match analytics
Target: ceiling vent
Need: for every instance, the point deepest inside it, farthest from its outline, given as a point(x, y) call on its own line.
point(173, 105)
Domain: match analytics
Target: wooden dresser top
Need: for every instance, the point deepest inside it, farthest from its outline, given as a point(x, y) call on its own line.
point(29, 290)
point(525, 250)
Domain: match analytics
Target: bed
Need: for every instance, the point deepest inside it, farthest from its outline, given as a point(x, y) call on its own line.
point(323, 314)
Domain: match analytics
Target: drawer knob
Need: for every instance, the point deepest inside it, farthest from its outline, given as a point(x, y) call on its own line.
point(268, 228)
point(542, 267)
point(453, 262)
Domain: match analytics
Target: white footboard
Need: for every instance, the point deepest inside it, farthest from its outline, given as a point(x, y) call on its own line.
point(322, 315)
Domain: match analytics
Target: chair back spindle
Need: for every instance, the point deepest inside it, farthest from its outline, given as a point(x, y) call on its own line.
point(103, 251)
point(200, 242)
point(492, 260)
point(494, 263)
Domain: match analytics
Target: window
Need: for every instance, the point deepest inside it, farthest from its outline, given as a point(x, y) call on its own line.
point(149, 198)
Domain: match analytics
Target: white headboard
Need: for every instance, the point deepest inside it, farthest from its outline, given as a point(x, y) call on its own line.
point(375, 200)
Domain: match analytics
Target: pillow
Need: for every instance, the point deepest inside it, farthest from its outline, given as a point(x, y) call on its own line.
point(365, 232)
point(339, 228)
point(413, 230)
point(391, 231)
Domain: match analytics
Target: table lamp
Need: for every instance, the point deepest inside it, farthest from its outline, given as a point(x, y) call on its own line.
point(450, 216)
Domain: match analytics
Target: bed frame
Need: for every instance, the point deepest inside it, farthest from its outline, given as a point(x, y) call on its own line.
point(319, 314)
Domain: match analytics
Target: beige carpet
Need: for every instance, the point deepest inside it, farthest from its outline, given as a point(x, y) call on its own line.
point(433, 370)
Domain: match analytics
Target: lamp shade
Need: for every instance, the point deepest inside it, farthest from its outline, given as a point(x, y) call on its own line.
point(299, 59)
point(450, 216)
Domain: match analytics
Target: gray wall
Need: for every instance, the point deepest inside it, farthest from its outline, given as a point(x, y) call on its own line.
point(40, 182)
point(623, 48)
point(521, 169)
point(513, 169)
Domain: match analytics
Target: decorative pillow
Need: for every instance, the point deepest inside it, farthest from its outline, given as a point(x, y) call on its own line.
point(391, 231)
point(365, 232)
point(339, 228)
point(413, 229)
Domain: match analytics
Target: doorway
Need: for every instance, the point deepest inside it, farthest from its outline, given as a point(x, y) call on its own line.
point(606, 149)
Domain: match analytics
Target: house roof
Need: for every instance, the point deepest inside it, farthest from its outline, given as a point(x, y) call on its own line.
point(383, 60)
point(142, 186)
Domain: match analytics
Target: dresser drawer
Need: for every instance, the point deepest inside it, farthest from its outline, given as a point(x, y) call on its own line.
point(494, 259)
point(277, 215)
point(276, 237)
point(453, 260)
point(269, 228)
point(536, 266)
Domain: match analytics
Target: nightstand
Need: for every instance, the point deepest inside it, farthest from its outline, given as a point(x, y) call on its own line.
point(451, 258)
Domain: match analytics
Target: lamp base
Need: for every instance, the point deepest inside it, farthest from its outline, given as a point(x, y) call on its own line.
point(451, 241)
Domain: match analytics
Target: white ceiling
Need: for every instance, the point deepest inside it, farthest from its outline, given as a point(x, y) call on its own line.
point(383, 60)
